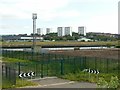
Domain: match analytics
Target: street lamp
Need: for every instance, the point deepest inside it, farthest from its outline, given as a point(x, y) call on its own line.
point(34, 17)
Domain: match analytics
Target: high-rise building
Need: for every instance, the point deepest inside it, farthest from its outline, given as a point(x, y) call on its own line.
point(39, 31)
point(82, 30)
point(68, 31)
point(60, 31)
point(48, 30)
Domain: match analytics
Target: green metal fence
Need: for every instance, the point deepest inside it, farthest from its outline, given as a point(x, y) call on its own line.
point(56, 64)
point(8, 75)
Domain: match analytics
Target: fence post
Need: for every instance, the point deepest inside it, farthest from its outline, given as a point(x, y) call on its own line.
point(84, 60)
point(68, 58)
point(18, 54)
point(9, 73)
point(18, 68)
point(12, 53)
point(42, 66)
point(14, 72)
point(82, 63)
point(23, 55)
point(95, 63)
point(74, 66)
point(42, 70)
point(61, 67)
point(36, 71)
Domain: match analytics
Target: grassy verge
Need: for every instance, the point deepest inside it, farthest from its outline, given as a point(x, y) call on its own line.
point(13, 60)
point(92, 78)
point(61, 43)
point(19, 83)
point(81, 76)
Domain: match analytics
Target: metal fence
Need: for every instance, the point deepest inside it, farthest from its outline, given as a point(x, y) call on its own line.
point(56, 64)
point(8, 75)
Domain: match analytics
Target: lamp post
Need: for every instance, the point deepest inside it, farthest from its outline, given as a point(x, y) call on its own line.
point(34, 17)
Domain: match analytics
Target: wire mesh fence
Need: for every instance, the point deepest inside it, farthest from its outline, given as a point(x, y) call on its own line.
point(8, 75)
point(56, 64)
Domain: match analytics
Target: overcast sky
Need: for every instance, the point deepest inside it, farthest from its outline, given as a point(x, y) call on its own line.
point(95, 15)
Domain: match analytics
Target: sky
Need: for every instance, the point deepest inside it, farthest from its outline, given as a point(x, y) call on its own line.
point(95, 15)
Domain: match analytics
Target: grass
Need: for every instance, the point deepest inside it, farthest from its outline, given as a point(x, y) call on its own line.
point(6, 83)
point(22, 83)
point(19, 83)
point(92, 78)
point(62, 43)
point(86, 77)
point(13, 60)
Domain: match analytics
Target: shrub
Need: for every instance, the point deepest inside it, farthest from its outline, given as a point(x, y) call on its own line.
point(102, 83)
point(114, 82)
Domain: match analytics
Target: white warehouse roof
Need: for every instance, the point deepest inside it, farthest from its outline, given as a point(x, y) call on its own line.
point(29, 38)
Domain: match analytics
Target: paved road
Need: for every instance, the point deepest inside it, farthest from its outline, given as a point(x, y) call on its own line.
point(54, 82)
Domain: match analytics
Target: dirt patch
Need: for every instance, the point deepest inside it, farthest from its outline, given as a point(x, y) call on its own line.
point(102, 53)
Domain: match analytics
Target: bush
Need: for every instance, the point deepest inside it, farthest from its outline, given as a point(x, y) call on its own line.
point(102, 83)
point(114, 82)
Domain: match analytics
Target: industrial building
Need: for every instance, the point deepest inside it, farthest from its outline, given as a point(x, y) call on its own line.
point(20, 38)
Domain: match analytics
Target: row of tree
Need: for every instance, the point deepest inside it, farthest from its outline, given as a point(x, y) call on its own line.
point(76, 36)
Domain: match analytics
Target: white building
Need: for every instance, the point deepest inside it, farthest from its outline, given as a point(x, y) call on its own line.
point(39, 31)
point(48, 30)
point(30, 38)
point(68, 31)
point(60, 31)
point(82, 30)
point(85, 39)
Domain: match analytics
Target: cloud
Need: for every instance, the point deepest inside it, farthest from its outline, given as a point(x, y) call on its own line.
point(24, 8)
point(94, 1)
point(107, 22)
point(67, 12)
point(14, 29)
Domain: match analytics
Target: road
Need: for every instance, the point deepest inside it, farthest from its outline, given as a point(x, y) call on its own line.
point(54, 82)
